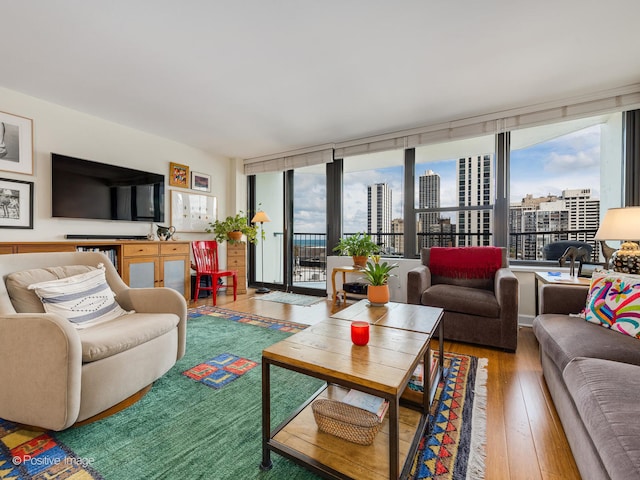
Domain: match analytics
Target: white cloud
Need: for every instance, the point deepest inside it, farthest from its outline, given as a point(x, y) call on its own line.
point(563, 162)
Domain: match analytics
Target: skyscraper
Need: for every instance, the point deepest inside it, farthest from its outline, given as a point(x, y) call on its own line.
point(379, 214)
point(428, 197)
point(475, 189)
point(397, 242)
point(574, 215)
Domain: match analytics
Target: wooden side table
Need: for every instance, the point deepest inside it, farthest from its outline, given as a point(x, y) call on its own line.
point(344, 271)
point(556, 278)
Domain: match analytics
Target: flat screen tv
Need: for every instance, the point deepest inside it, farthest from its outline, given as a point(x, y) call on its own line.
point(93, 190)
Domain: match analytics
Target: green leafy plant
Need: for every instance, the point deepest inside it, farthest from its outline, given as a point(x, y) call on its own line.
point(358, 245)
point(237, 223)
point(378, 274)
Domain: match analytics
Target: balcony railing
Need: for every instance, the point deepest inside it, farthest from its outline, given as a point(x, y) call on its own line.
point(310, 257)
point(310, 252)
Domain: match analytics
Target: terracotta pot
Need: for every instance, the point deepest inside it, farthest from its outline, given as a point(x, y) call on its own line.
point(378, 295)
point(360, 261)
point(235, 236)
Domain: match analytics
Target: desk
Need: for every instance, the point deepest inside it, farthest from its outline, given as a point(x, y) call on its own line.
point(557, 278)
point(344, 271)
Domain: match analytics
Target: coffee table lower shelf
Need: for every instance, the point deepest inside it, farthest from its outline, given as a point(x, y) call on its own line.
point(299, 439)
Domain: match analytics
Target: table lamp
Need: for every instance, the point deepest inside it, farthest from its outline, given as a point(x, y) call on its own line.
point(622, 224)
point(261, 217)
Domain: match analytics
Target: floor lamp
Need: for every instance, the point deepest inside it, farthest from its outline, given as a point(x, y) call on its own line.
point(261, 217)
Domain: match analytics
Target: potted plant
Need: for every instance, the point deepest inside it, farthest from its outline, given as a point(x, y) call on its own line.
point(360, 246)
point(377, 274)
point(233, 228)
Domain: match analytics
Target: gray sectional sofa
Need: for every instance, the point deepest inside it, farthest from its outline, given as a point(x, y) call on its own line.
point(593, 375)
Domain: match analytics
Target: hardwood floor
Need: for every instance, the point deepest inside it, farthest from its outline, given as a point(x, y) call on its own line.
point(525, 439)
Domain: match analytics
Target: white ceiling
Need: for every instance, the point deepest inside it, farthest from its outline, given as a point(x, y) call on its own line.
point(246, 78)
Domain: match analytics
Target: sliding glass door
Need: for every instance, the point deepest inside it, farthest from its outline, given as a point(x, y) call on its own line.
point(269, 197)
point(295, 256)
point(309, 256)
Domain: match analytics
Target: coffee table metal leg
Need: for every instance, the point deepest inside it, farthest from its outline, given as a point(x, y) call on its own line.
point(394, 438)
point(266, 417)
point(426, 382)
point(441, 345)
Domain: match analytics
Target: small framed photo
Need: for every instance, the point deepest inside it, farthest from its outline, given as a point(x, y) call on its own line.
point(200, 181)
point(16, 204)
point(586, 269)
point(178, 175)
point(16, 144)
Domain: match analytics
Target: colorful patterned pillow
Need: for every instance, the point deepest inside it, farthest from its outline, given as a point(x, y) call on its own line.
point(85, 299)
point(614, 302)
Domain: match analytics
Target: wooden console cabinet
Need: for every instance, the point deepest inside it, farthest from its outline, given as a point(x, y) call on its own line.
point(140, 263)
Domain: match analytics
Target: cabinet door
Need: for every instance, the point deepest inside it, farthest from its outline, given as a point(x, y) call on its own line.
point(141, 272)
point(175, 273)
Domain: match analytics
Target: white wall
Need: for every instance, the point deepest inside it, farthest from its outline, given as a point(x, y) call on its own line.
point(61, 130)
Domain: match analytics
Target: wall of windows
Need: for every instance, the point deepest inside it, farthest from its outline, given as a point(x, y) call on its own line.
point(523, 189)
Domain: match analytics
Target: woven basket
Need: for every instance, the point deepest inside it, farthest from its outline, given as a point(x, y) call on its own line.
point(346, 421)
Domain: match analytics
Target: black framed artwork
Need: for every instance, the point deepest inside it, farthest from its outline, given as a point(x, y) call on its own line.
point(16, 203)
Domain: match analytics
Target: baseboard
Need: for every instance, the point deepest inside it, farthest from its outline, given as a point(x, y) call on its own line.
point(525, 320)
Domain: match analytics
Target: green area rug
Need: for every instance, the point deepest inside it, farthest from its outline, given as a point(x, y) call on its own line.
point(203, 418)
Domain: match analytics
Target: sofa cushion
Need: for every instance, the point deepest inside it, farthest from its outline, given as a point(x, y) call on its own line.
point(124, 333)
point(565, 337)
point(453, 298)
point(606, 394)
point(84, 299)
point(483, 283)
point(614, 302)
point(25, 300)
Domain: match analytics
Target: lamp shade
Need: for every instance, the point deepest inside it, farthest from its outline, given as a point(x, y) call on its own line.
point(620, 224)
point(260, 217)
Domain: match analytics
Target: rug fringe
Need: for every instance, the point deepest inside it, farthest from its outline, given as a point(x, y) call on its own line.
point(477, 455)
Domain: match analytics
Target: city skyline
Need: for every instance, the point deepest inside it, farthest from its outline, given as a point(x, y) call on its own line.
point(570, 161)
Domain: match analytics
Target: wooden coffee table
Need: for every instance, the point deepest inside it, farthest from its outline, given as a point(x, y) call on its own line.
point(405, 316)
point(382, 368)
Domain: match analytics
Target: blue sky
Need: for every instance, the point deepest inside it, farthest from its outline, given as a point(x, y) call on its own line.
point(570, 161)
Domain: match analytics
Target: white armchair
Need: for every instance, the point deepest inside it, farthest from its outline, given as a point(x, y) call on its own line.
point(52, 374)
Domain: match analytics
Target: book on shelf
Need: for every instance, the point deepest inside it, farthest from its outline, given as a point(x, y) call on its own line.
point(109, 252)
point(366, 401)
point(417, 378)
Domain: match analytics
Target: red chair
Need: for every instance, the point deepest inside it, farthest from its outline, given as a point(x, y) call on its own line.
point(205, 254)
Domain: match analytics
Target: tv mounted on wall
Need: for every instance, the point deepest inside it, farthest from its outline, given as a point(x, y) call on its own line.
point(98, 191)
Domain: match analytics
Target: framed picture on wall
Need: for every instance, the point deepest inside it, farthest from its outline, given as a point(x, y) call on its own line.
point(192, 212)
point(200, 181)
point(16, 204)
point(16, 144)
point(178, 175)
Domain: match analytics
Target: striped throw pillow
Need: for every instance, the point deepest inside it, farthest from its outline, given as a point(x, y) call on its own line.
point(85, 299)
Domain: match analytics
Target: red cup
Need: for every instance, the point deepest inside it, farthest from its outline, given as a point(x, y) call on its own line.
point(360, 333)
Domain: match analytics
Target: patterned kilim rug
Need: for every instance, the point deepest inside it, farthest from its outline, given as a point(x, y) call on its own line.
point(289, 298)
point(184, 429)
